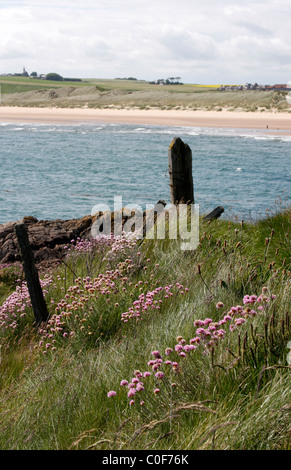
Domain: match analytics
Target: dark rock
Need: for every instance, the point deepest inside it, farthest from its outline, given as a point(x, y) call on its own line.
point(47, 238)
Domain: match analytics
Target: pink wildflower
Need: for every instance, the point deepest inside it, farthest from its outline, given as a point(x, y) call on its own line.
point(112, 393)
point(227, 318)
point(123, 383)
point(137, 373)
point(159, 375)
point(131, 392)
point(147, 373)
point(219, 305)
point(168, 351)
point(156, 353)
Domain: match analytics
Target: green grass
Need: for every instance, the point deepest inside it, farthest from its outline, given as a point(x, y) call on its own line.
point(236, 397)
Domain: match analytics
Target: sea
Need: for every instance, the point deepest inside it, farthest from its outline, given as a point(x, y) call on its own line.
point(52, 171)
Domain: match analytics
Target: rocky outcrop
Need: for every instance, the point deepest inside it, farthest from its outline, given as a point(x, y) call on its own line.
point(47, 238)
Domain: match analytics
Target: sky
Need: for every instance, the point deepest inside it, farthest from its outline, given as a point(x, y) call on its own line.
point(201, 41)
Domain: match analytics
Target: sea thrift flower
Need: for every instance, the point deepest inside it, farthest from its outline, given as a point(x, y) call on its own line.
point(209, 335)
point(195, 340)
point(156, 354)
point(112, 393)
point(219, 305)
point(227, 318)
point(159, 375)
point(131, 392)
point(168, 351)
point(147, 374)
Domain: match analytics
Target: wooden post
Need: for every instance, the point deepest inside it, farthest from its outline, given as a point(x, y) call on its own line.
point(180, 172)
point(31, 274)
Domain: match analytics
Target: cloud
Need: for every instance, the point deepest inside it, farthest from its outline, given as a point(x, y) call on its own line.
point(182, 44)
point(197, 40)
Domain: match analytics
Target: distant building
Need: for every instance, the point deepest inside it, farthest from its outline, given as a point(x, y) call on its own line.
point(279, 87)
point(24, 73)
point(42, 76)
point(255, 86)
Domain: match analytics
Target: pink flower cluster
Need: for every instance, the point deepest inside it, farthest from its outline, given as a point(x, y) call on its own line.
point(151, 300)
point(136, 384)
point(72, 311)
point(207, 335)
point(15, 306)
point(117, 244)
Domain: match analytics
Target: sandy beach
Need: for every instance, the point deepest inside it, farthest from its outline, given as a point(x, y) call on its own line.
point(224, 119)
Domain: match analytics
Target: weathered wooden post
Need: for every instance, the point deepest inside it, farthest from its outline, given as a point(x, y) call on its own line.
point(31, 274)
point(180, 172)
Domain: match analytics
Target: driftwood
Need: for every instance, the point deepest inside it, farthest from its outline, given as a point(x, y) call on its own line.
point(214, 214)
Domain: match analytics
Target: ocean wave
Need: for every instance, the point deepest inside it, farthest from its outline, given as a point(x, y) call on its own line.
point(256, 134)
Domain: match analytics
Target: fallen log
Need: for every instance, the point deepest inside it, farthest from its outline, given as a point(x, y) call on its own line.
point(214, 214)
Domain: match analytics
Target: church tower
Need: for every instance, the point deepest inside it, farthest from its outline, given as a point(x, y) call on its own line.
point(24, 73)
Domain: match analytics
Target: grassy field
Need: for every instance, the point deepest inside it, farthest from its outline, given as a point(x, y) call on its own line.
point(213, 359)
point(102, 93)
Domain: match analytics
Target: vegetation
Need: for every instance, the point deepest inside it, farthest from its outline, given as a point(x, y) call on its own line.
point(54, 76)
point(132, 93)
point(197, 340)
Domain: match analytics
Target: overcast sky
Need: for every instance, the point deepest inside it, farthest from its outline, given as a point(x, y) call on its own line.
point(201, 41)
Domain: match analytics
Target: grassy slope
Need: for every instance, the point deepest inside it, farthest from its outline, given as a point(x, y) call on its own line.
point(131, 93)
point(241, 392)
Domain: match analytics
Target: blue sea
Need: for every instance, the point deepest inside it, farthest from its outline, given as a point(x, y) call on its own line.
point(61, 171)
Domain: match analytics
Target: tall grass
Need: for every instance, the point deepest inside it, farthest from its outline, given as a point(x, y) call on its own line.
point(231, 393)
